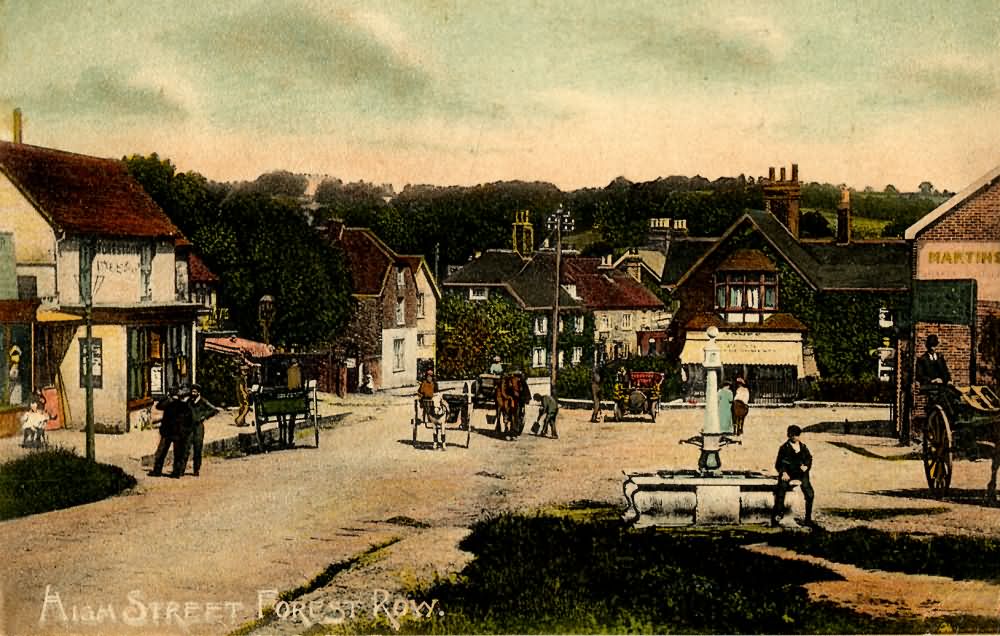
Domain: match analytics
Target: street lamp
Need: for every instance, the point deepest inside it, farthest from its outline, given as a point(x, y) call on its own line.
point(559, 220)
point(265, 316)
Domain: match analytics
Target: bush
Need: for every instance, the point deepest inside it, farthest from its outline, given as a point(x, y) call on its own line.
point(574, 382)
point(217, 377)
point(54, 479)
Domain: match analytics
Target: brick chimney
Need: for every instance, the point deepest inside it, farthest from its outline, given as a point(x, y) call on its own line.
point(18, 127)
point(523, 234)
point(844, 218)
point(782, 198)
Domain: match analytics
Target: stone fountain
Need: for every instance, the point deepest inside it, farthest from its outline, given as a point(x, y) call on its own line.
point(707, 495)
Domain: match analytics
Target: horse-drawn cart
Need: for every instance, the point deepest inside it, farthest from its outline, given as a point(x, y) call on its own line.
point(961, 421)
point(506, 395)
point(448, 410)
point(285, 406)
point(637, 392)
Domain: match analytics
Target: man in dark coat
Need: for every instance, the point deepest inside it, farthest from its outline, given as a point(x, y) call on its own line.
point(931, 367)
point(595, 393)
point(794, 463)
point(175, 427)
point(201, 410)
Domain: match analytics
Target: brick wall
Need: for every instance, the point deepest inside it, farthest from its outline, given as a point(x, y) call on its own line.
point(975, 219)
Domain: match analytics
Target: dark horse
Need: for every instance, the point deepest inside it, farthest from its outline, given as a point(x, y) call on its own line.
point(512, 394)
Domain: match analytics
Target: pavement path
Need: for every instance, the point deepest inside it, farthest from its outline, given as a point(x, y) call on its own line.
point(196, 555)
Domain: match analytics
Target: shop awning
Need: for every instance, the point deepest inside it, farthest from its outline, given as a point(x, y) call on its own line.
point(237, 346)
point(54, 315)
point(764, 349)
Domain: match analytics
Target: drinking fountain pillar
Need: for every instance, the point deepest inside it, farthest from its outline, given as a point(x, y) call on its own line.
point(709, 463)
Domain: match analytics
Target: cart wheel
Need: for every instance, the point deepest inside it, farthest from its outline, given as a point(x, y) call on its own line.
point(937, 451)
point(618, 412)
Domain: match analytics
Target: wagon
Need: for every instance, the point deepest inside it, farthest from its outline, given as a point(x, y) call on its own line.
point(449, 413)
point(962, 422)
point(637, 392)
point(285, 406)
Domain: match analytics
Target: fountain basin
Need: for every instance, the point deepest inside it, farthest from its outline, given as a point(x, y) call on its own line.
point(689, 497)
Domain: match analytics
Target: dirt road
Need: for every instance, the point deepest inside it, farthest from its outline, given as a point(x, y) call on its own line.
point(197, 555)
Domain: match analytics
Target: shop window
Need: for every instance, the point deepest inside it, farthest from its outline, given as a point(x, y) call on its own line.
point(96, 362)
point(15, 384)
point(746, 291)
point(157, 359)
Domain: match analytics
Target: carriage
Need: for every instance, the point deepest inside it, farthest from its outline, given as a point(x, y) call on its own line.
point(637, 393)
point(285, 406)
point(964, 422)
point(449, 413)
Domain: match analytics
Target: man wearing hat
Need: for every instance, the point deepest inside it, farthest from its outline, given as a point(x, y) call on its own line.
point(497, 366)
point(201, 410)
point(931, 367)
point(175, 428)
point(426, 393)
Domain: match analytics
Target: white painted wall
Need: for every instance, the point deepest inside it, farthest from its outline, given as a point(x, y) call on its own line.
point(111, 398)
point(390, 377)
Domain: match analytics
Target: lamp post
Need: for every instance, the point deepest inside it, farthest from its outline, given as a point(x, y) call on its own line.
point(265, 316)
point(559, 220)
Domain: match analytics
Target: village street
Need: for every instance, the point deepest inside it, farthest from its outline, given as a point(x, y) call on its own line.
point(197, 555)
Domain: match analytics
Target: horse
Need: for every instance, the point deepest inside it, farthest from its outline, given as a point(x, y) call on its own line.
point(511, 396)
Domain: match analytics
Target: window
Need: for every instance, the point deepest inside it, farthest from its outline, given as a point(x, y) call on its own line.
point(401, 311)
point(421, 340)
point(605, 323)
point(97, 362)
point(157, 359)
point(478, 293)
point(181, 280)
point(538, 357)
point(400, 280)
point(753, 291)
point(577, 355)
point(27, 287)
point(397, 355)
point(562, 359)
point(627, 322)
point(541, 325)
point(578, 324)
point(420, 305)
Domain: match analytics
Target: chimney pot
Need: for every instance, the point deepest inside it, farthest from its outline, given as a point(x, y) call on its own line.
point(795, 172)
point(782, 173)
point(770, 174)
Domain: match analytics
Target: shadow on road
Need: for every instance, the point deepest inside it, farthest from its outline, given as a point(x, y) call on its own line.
point(967, 496)
point(872, 428)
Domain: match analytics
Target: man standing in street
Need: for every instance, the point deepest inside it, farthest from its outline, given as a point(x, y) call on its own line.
point(741, 406)
point(548, 407)
point(201, 410)
point(175, 412)
point(595, 393)
point(794, 463)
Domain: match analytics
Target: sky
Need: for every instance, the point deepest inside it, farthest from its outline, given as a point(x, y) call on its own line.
point(459, 92)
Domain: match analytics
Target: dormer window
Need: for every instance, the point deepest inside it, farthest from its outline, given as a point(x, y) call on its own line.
point(478, 293)
point(746, 291)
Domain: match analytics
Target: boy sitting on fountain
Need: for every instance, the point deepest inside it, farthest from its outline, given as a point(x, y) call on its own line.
point(794, 463)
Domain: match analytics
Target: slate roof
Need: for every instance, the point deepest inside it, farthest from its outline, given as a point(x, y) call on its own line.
point(607, 288)
point(531, 282)
point(681, 255)
point(859, 265)
point(84, 195)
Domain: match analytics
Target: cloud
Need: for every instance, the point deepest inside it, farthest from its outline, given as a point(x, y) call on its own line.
point(101, 92)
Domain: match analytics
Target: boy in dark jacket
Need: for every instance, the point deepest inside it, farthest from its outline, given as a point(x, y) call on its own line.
point(794, 463)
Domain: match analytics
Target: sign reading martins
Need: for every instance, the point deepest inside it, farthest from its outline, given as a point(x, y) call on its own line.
point(970, 260)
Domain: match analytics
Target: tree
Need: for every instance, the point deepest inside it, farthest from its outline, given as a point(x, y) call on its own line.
point(926, 188)
point(256, 244)
point(471, 333)
point(891, 189)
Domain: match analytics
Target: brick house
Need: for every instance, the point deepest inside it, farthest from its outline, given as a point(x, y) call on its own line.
point(72, 224)
point(392, 333)
point(952, 246)
point(750, 284)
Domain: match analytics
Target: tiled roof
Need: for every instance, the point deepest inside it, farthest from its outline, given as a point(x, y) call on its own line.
point(235, 346)
point(84, 195)
point(198, 272)
point(530, 282)
point(747, 261)
point(368, 260)
point(607, 288)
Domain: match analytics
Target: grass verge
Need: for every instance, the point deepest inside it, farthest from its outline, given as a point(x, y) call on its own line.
point(571, 574)
point(56, 478)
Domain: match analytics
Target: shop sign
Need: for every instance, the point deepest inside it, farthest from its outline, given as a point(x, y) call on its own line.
point(952, 260)
point(951, 302)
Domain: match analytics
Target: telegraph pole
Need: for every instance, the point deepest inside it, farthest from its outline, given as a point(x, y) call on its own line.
point(559, 220)
point(88, 250)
